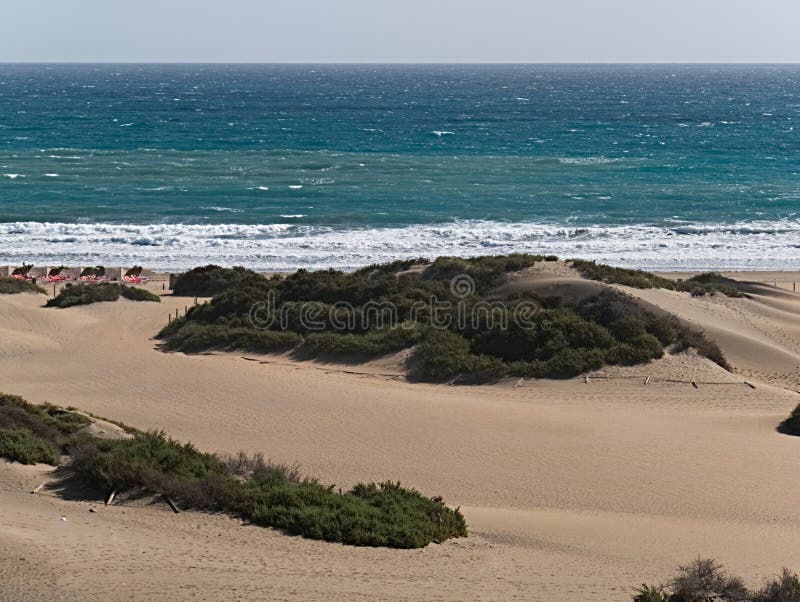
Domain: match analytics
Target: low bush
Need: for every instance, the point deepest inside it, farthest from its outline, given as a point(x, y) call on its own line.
point(374, 342)
point(704, 580)
point(194, 338)
point(268, 495)
point(14, 286)
point(21, 445)
point(701, 284)
point(791, 426)
point(85, 294)
point(486, 271)
point(132, 293)
point(211, 280)
point(30, 434)
point(271, 495)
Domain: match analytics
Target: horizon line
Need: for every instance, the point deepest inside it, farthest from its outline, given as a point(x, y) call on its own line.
point(390, 62)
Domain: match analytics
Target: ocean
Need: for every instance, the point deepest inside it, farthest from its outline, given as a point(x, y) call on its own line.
point(278, 167)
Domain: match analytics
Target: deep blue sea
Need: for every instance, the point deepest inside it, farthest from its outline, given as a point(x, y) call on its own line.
point(286, 166)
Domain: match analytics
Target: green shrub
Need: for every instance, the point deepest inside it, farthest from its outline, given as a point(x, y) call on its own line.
point(267, 495)
point(375, 342)
point(31, 434)
point(14, 286)
point(195, 338)
point(612, 275)
point(21, 445)
point(486, 271)
point(443, 355)
point(791, 426)
point(393, 267)
point(483, 340)
point(133, 293)
point(85, 294)
point(211, 280)
point(702, 284)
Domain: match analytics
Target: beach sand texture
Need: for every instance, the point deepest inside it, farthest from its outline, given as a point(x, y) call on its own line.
point(572, 490)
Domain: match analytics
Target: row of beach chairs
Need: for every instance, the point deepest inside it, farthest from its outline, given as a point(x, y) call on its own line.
point(88, 275)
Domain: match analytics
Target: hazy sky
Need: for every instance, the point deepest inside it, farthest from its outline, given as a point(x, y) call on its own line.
point(400, 30)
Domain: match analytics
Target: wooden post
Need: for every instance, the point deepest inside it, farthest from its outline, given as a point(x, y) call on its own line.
point(195, 300)
point(110, 498)
point(169, 318)
point(171, 504)
point(176, 314)
point(586, 378)
point(39, 488)
point(519, 382)
point(647, 380)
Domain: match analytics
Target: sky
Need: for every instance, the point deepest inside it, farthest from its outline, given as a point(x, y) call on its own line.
point(400, 30)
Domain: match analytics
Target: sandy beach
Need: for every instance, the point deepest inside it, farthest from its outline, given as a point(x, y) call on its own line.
point(572, 490)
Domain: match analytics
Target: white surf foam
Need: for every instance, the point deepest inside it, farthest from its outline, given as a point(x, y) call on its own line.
point(286, 246)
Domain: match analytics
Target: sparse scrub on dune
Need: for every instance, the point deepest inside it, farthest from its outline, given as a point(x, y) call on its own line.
point(702, 284)
point(393, 267)
point(264, 493)
point(14, 286)
point(85, 294)
point(705, 580)
point(791, 426)
point(564, 339)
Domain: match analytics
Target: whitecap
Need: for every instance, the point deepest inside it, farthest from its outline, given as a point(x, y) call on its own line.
point(295, 186)
point(51, 175)
point(441, 133)
point(13, 176)
point(296, 215)
point(223, 209)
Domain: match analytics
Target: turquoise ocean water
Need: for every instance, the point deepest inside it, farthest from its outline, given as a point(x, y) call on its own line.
point(278, 166)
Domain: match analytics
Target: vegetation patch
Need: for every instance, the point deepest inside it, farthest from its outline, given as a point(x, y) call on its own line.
point(211, 280)
point(85, 294)
point(705, 580)
point(14, 286)
point(791, 426)
point(263, 493)
point(702, 284)
point(456, 331)
point(32, 434)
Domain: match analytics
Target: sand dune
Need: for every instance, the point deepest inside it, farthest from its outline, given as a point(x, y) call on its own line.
point(573, 490)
